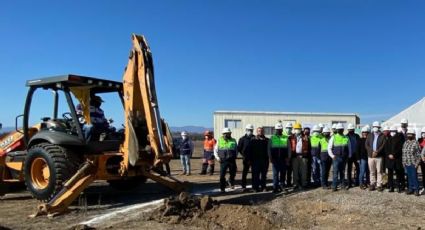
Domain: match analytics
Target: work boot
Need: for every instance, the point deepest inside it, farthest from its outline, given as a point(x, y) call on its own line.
point(380, 189)
point(391, 189)
point(417, 193)
point(372, 187)
point(204, 169)
point(211, 170)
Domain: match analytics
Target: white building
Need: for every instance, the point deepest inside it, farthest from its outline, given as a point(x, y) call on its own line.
point(415, 114)
point(237, 120)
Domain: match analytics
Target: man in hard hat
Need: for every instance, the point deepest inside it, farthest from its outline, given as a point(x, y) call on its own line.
point(260, 160)
point(279, 156)
point(411, 158)
point(325, 160)
point(339, 148)
point(301, 152)
point(375, 145)
point(208, 158)
point(287, 177)
point(364, 177)
point(334, 128)
point(393, 160)
point(244, 148)
point(226, 151)
point(421, 142)
point(186, 151)
point(315, 155)
point(352, 158)
point(404, 126)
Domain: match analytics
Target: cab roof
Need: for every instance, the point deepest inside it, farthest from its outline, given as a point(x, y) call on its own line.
point(72, 80)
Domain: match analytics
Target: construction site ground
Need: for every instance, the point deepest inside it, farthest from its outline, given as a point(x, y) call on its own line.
point(102, 207)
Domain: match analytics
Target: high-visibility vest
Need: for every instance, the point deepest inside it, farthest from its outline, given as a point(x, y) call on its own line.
point(279, 146)
point(227, 148)
point(209, 144)
point(324, 144)
point(340, 145)
point(315, 144)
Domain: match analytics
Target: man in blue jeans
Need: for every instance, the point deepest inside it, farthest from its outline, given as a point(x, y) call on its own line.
point(186, 151)
point(279, 155)
point(339, 148)
point(362, 156)
point(225, 151)
point(315, 154)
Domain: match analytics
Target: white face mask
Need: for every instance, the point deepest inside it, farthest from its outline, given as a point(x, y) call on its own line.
point(423, 135)
point(184, 137)
point(249, 132)
point(393, 134)
point(297, 131)
point(289, 131)
point(375, 129)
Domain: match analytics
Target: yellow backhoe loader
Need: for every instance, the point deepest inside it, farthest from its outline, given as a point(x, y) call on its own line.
point(57, 161)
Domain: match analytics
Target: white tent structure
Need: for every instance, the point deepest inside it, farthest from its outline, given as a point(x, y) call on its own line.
point(415, 114)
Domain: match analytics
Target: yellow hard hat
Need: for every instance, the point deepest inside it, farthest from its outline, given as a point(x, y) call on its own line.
point(297, 126)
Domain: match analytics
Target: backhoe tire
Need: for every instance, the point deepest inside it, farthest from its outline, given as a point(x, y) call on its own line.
point(127, 184)
point(46, 168)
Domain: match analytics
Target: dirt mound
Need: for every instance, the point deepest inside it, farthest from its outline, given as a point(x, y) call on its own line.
point(205, 212)
point(182, 209)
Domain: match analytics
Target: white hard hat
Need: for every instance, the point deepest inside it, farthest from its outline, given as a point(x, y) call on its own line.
point(386, 128)
point(278, 126)
point(249, 126)
point(334, 126)
point(326, 130)
point(321, 125)
point(404, 121)
point(423, 130)
point(376, 124)
point(411, 131)
point(184, 133)
point(316, 128)
point(226, 130)
point(393, 128)
point(366, 129)
point(339, 126)
point(288, 125)
point(350, 126)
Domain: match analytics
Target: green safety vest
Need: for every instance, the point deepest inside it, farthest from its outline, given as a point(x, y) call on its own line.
point(340, 145)
point(315, 142)
point(227, 148)
point(279, 141)
point(324, 144)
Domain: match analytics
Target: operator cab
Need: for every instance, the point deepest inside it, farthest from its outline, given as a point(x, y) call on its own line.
point(67, 129)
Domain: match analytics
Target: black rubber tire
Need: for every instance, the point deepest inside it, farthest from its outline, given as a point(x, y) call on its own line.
point(127, 184)
point(62, 164)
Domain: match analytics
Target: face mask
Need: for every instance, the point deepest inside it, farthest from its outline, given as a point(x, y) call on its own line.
point(375, 129)
point(184, 137)
point(423, 135)
point(249, 132)
point(393, 134)
point(289, 131)
point(297, 131)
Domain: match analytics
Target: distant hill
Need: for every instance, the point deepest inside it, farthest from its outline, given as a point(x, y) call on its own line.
point(190, 129)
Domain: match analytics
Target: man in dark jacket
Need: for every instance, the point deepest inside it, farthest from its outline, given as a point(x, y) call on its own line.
point(362, 156)
point(375, 146)
point(244, 148)
point(393, 159)
point(259, 160)
point(355, 148)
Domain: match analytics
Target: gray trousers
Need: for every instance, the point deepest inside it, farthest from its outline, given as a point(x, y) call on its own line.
point(299, 166)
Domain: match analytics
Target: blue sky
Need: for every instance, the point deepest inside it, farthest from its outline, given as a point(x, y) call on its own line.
point(366, 57)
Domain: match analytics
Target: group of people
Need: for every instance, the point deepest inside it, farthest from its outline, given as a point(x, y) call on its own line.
point(302, 158)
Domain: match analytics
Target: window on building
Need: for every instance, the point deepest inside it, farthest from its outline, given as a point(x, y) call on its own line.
point(268, 130)
point(233, 124)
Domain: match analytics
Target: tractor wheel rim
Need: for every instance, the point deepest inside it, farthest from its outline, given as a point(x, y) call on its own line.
point(40, 173)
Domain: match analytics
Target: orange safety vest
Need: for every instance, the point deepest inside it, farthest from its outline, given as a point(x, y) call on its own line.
point(209, 144)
